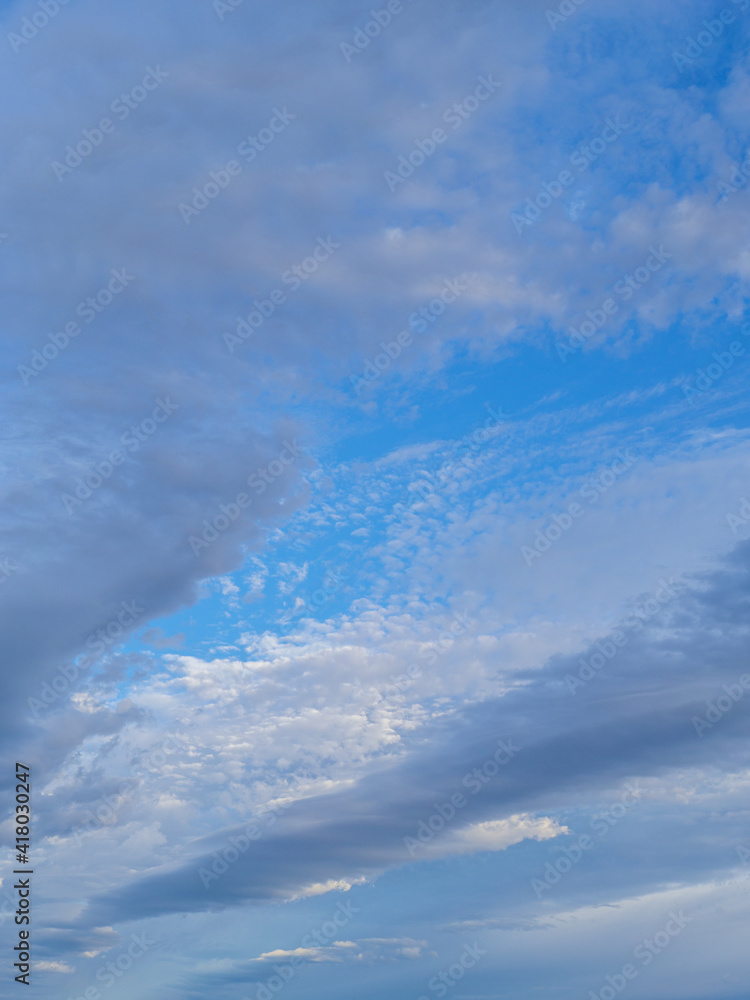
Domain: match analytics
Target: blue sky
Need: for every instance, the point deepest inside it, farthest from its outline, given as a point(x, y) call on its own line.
point(376, 544)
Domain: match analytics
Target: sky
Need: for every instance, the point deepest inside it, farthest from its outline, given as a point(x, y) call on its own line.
point(375, 557)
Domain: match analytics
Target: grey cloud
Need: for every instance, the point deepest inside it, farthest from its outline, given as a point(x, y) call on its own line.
point(635, 719)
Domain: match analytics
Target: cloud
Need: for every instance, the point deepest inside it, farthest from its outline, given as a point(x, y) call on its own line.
point(628, 723)
point(298, 632)
point(321, 888)
point(497, 835)
point(54, 967)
